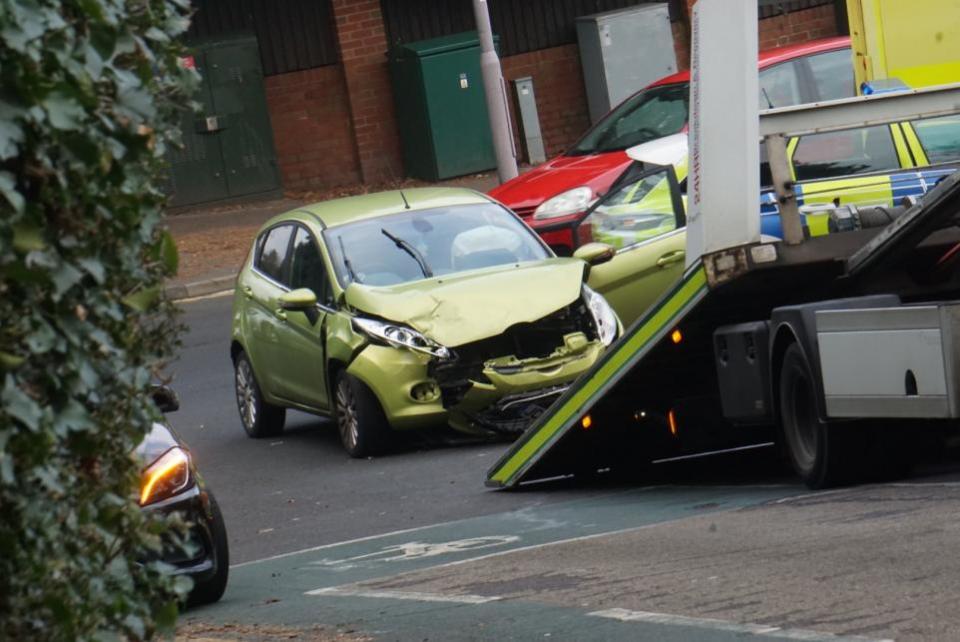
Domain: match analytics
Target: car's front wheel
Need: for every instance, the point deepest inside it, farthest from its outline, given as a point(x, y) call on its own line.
point(260, 419)
point(211, 589)
point(363, 427)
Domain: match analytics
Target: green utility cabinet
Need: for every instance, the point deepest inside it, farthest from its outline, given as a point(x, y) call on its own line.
point(441, 107)
point(228, 147)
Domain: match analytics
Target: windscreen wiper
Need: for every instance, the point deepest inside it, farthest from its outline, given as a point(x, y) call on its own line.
point(346, 261)
point(412, 251)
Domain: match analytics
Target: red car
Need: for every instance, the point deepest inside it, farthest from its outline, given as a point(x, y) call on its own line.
point(561, 189)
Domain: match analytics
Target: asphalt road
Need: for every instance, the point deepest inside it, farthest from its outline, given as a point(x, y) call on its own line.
point(412, 546)
point(302, 490)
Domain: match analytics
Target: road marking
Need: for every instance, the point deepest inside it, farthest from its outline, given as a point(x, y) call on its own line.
point(418, 550)
point(405, 595)
point(516, 512)
point(626, 615)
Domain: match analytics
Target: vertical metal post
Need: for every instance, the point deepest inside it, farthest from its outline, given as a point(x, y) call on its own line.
point(783, 184)
point(496, 95)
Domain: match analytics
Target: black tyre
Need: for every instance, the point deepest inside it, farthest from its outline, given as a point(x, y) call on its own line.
point(364, 430)
point(259, 418)
point(211, 589)
point(819, 452)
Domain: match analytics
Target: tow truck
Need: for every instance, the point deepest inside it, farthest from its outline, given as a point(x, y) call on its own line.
point(842, 348)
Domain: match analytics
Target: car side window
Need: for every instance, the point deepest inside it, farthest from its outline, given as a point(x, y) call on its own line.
point(940, 137)
point(780, 86)
point(832, 74)
point(273, 258)
point(851, 151)
point(307, 269)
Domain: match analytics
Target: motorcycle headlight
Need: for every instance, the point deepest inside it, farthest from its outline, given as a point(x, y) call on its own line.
point(400, 337)
point(572, 201)
point(604, 318)
point(165, 477)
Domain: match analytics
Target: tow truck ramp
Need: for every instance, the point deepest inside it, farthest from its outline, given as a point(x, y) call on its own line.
point(656, 392)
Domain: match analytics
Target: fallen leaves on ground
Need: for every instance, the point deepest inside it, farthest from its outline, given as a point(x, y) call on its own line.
point(192, 631)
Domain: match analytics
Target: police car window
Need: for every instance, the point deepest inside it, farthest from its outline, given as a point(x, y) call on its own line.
point(307, 269)
point(780, 86)
point(633, 212)
point(852, 151)
point(272, 260)
point(832, 74)
point(940, 137)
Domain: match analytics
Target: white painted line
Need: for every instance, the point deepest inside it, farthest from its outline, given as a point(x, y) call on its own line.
point(405, 595)
point(712, 453)
point(523, 548)
point(626, 615)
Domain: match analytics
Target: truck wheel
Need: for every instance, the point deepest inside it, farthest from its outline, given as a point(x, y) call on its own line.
point(364, 430)
point(817, 450)
point(259, 418)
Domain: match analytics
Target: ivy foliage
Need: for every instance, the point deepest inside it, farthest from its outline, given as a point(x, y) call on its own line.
point(89, 99)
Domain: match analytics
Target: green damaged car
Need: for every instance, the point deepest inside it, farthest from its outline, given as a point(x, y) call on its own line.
point(411, 309)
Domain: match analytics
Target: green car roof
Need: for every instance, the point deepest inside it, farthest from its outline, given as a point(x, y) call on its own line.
point(341, 211)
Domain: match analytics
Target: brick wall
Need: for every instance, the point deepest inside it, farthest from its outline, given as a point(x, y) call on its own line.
point(363, 41)
point(310, 114)
point(558, 86)
point(799, 26)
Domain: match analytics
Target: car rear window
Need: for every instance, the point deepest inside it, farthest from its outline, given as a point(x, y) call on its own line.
point(851, 151)
point(940, 137)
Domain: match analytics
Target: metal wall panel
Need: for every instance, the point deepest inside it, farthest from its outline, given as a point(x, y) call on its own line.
point(292, 34)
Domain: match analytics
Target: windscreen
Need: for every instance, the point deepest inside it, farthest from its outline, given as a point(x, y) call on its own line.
point(394, 249)
point(645, 116)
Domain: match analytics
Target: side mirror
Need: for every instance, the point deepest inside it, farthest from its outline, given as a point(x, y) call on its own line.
point(165, 398)
point(300, 299)
point(595, 253)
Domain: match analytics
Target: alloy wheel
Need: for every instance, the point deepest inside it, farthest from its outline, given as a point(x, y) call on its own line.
point(246, 394)
point(347, 421)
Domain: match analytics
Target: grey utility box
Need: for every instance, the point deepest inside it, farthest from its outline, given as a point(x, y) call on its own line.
point(622, 52)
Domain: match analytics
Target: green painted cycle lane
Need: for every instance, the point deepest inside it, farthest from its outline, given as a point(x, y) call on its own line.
point(300, 589)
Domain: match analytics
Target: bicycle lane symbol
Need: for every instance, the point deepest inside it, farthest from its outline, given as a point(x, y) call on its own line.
point(414, 551)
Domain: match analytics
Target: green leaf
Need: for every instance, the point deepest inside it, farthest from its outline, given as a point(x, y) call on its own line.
point(10, 361)
point(73, 417)
point(64, 278)
point(27, 238)
point(64, 110)
point(8, 187)
point(166, 252)
point(143, 299)
point(93, 267)
point(19, 406)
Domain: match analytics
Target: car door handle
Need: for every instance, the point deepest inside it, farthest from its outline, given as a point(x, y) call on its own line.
point(281, 314)
point(671, 257)
point(248, 291)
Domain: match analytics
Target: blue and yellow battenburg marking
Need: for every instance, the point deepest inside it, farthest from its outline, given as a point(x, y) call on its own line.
point(862, 191)
point(564, 415)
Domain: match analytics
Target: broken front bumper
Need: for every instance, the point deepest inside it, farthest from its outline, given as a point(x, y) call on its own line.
point(502, 394)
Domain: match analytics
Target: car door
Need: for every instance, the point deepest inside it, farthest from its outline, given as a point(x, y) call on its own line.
point(643, 219)
point(263, 287)
point(848, 167)
point(302, 332)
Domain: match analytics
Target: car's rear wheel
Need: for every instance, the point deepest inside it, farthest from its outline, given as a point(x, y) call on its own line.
point(259, 418)
point(363, 427)
point(211, 589)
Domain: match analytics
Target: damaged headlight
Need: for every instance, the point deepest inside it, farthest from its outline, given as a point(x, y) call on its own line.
point(604, 318)
point(400, 337)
